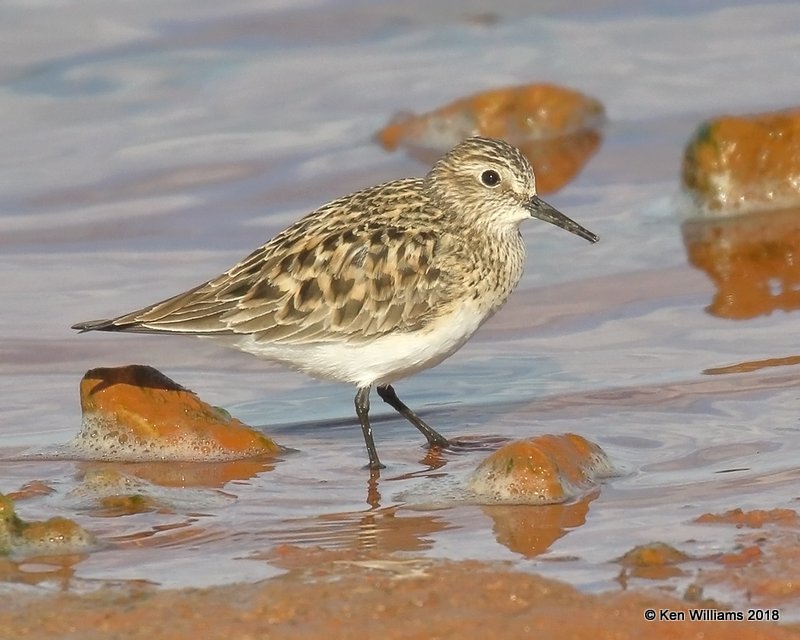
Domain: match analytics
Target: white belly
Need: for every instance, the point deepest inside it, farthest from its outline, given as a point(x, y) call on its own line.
point(380, 361)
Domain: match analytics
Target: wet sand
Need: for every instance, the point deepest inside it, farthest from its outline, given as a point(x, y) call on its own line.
point(346, 595)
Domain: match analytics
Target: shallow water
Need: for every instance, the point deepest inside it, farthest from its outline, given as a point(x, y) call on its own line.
point(150, 146)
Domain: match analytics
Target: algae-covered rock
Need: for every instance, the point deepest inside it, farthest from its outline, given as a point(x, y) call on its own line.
point(744, 163)
point(137, 413)
point(56, 535)
point(10, 524)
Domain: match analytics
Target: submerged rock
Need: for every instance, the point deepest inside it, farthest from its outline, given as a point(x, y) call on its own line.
point(654, 561)
point(734, 164)
point(546, 469)
point(137, 413)
point(115, 489)
point(555, 127)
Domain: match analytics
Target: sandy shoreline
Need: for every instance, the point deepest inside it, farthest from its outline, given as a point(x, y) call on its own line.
point(346, 594)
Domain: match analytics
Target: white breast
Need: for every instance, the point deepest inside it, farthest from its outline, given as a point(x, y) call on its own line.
point(380, 361)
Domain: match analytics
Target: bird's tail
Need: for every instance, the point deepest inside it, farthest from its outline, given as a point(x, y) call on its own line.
point(97, 325)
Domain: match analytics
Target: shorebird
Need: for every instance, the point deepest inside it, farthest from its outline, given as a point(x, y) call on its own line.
point(377, 285)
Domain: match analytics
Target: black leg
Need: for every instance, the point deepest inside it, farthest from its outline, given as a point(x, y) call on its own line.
point(362, 410)
point(435, 439)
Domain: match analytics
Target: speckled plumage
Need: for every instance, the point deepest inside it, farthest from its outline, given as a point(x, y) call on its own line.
point(377, 285)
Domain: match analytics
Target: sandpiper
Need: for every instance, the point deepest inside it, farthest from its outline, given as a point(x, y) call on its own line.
point(375, 286)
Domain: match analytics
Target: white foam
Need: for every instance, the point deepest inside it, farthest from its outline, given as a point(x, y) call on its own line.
point(102, 439)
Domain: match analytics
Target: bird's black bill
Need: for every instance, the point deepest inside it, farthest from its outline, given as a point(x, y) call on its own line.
point(540, 209)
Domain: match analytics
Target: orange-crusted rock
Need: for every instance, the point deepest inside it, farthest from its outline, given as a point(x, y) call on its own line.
point(558, 160)
point(543, 470)
point(753, 261)
point(137, 413)
point(739, 163)
point(555, 127)
point(528, 111)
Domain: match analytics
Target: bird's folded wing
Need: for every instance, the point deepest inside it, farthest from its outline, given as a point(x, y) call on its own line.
point(354, 283)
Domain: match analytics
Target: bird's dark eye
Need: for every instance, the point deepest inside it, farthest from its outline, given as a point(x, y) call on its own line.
point(490, 178)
